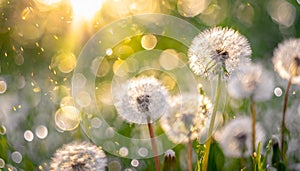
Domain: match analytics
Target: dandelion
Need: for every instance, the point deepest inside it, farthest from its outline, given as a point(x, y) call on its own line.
point(79, 156)
point(169, 161)
point(235, 138)
point(218, 50)
point(142, 98)
point(253, 82)
point(143, 101)
point(286, 62)
point(186, 119)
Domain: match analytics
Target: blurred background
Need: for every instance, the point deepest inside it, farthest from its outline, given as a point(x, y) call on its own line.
point(40, 41)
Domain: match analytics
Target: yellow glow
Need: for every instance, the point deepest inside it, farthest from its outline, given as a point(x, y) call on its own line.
point(85, 10)
point(49, 2)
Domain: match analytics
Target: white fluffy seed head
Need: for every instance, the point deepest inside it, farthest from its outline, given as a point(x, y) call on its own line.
point(186, 118)
point(251, 81)
point(236, 137)
point(82, 156)
point(140, 99)
point(218, 50)
point(286, 60)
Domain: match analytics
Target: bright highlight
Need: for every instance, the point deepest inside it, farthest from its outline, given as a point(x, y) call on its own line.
point(85, 10)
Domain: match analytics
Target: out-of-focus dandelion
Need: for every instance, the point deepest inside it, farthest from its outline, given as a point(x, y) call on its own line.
point(253, 82)
point(286, 62)
point(235, 138)
point(169, 161)
point(186, 119)
point(217, 51)
point(143, 101)
point(79, 156)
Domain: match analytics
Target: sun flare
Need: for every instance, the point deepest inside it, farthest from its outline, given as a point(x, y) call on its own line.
point(85, 10)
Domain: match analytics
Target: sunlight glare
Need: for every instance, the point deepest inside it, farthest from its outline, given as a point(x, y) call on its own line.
point(85, 10)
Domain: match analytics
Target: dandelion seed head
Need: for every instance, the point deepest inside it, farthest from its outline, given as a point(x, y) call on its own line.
point(236, 137)
point(218, 50)
point(141, 98)
point(186, 118)
point(252, 81)
point(286, 60)
point(77, 156)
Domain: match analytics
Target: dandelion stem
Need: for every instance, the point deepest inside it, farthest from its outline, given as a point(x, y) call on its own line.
point(286, 97)
point(253, 114)
point(153, 144)
point(190, 156)
point(212, 122)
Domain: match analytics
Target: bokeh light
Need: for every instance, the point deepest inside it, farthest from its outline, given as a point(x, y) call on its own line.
point(143, 152)
point(85, 10)
point(149, 41)
point(83, 99)
point(16, 157)
point(3, 86)
point(41, 131)
point(67, 118)
point(191, 8)
point(282, 12)
point(49, 2)
point(28, 135)
point(64, 61)
point(169, 59)
point(278, 91)
point(114, 165)
point(2, 130)
point(123, 151)
point(2, 163)
point(135, 163)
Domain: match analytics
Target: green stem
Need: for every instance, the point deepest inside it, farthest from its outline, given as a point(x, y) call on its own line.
point(253, 114)
point(212, 122)
point(286, 97)
point(190, 156)
point(153, 143)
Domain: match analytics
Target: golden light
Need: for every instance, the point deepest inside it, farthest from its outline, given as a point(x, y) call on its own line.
point(49, 2)
point(85, 10)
